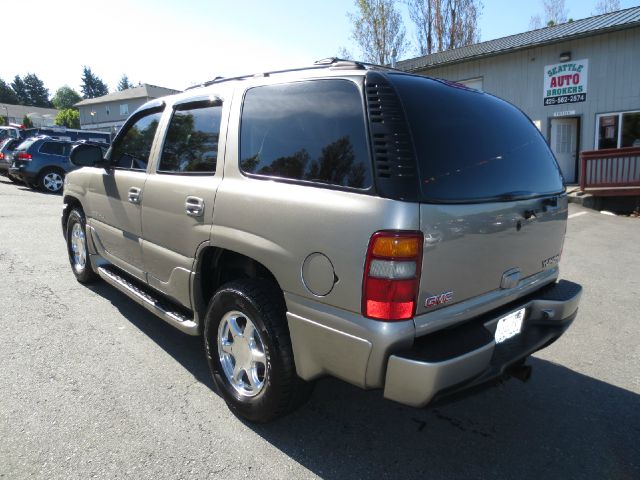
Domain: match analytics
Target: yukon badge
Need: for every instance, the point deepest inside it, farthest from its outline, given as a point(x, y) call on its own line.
point(551, 262)
point(438, 299)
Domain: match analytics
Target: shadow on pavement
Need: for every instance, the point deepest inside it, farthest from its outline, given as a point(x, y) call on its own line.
point(561, 424)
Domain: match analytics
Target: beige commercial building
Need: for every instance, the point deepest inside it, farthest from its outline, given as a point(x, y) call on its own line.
point(108, 113)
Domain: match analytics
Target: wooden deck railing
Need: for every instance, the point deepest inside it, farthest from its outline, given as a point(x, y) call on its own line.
point(613, 171)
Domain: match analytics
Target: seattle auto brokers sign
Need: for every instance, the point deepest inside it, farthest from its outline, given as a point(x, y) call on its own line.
point(566, 82)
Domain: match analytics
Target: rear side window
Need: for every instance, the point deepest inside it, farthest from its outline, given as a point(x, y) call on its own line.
point(311, 131)
point(472, 146)
point(53, 148)
point(191, 144)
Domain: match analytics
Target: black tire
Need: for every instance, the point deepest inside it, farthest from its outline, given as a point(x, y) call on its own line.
point(282, 390)
point(51, 180)
point(84, 273)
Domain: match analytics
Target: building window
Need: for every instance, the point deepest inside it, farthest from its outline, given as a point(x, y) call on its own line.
point(107, 110)
point(124, 109)
point(618, 130)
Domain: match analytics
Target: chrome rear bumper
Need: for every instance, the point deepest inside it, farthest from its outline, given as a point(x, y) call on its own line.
point(459, 358)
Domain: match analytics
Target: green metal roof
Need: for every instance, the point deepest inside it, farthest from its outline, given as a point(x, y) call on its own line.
point(621, 19)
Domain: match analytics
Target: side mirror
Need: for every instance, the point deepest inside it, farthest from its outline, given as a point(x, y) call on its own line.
point(85, 155)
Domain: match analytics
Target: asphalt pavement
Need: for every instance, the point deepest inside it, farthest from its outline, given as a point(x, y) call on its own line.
point(94, 386)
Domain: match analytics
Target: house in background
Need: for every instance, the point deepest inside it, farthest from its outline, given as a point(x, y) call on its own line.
point(40, 117)
point(579, 82)
point(108, 113)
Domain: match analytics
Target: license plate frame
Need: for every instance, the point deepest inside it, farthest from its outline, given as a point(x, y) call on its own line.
point(509, 326)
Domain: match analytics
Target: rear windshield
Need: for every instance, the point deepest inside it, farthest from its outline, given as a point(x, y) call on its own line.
point(26, 144)
point(472, 146)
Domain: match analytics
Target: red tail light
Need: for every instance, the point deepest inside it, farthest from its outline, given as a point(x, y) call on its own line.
point(23, 156)
point(1, 156)
point(392, 275)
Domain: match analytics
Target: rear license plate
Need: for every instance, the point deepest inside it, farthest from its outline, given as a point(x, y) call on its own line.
point(509, 326)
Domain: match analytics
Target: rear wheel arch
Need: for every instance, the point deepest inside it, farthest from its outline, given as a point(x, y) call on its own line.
point(216, 266)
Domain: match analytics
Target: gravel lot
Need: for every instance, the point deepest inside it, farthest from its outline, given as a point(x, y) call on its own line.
point(91, 385)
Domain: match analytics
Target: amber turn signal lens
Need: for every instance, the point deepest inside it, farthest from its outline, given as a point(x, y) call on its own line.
point(397, 247)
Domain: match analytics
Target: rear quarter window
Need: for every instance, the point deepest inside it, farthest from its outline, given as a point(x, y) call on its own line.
point(472, 146)
point(52, 148)
point(311, 131)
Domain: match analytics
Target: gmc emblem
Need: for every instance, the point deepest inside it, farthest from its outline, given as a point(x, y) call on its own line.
point(438, 299)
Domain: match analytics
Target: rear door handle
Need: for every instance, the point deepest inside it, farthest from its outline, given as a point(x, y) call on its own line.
point(134, 195)
point(194, 206)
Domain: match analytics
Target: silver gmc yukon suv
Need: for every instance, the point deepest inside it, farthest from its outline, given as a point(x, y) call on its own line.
point(395, 231)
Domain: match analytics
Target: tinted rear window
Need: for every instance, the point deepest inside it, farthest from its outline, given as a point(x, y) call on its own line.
point(27, 144)
point(472, 146)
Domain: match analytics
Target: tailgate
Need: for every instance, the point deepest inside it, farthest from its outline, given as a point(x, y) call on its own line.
point(474, 249)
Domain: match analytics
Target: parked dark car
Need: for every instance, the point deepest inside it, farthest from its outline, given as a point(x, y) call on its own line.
point(68, 134)
point(7, 146)
point(42, 162)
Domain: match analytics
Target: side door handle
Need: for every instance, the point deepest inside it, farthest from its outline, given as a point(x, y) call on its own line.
point(194, 206)
point(134, 195)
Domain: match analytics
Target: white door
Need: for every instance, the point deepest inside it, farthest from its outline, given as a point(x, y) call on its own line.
point(564, 142)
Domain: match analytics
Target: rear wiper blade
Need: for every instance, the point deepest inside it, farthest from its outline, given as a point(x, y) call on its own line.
point(517, 195)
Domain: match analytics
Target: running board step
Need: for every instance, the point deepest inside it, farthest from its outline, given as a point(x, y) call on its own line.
point(144, 298)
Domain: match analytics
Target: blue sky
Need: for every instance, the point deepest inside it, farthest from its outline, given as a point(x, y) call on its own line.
point(177, 44)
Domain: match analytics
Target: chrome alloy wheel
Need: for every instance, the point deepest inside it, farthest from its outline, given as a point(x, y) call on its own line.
point(52, 181)
point(241, 354)
point(78, 248)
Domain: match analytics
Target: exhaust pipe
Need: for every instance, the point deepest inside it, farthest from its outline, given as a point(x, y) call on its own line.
point(522, 372)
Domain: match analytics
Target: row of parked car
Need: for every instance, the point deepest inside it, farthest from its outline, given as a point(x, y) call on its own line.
point(39, 158)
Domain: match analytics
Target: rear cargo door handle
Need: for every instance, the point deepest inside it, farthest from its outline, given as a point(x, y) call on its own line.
point(134, 195)
point(194, 206)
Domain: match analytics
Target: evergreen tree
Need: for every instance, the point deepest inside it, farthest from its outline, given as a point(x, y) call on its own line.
point(7, 95)
point(65, 97)
point(26, 121)
point(19, 88)
point(124, 83)
point(36, 91)
point(92, 85)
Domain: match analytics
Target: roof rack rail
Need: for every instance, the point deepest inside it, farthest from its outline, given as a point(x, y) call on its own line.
point(343, 62)
point(329, 62)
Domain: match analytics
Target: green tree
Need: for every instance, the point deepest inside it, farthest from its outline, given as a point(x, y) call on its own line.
point(65, 97)
point(36, 91)
point(7, 95)
point(26, 121)
point(19, 89)
point(124, 83)
point(69, 117)
point(378, 30)
point(92, 85)
point(3, 120)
